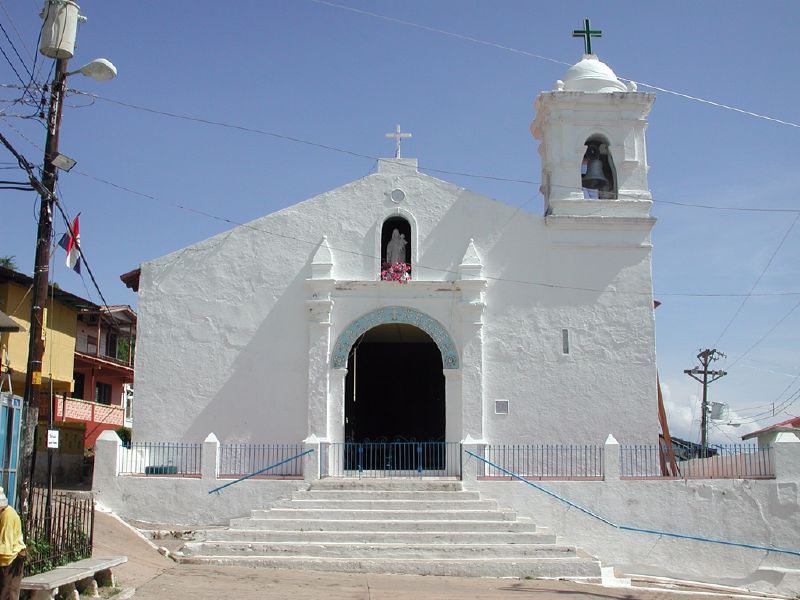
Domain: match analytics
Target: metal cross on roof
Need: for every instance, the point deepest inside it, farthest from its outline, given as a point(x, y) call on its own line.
point(587, 33)
point(398, 137)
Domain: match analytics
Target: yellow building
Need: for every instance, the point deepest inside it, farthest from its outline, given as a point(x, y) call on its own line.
point(60, 331)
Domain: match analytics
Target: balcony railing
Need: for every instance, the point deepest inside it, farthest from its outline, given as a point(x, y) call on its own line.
point(83, 410)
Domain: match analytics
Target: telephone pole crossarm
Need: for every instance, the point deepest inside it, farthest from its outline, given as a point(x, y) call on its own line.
point(705, 376)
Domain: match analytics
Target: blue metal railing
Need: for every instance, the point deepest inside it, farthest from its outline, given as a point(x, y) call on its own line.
point(391, 459)
point(545, 461)
point(721, 461)
point(161, 458)
point(260, 471)
point(628, 527)
point(240, 459)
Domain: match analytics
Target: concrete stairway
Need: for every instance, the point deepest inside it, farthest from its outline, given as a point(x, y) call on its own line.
point(424, 527)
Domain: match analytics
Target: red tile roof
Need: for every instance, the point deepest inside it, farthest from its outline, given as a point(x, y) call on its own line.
point(793, 423)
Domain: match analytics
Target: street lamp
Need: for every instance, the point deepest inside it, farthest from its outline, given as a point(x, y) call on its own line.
point(99, 69)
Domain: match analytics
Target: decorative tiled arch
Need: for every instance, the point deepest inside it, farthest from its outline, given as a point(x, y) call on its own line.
point(395, 314)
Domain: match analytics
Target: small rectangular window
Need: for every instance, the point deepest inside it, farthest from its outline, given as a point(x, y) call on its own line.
point(501, 407)
point(102, 393)
point(565, 341)
point(91, 344)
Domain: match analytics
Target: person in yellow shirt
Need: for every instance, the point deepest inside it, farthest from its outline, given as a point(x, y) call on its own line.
point(12, 550)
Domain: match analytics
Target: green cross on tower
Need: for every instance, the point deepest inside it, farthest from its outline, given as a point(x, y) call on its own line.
point(587, 34)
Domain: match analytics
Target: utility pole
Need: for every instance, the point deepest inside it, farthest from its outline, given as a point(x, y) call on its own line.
point(57, 42)
point(41, 277)
point(706, 357)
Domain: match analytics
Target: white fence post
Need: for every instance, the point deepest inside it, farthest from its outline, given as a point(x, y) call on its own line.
point(312, 460)
point(210, 457)
point(611, 466)
point(471, 467)
point(106, 455)
point(786, 456)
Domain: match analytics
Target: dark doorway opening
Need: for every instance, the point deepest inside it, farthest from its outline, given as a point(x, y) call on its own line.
point(394, 389)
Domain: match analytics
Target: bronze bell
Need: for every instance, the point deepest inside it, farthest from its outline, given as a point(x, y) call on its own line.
point(594, 178)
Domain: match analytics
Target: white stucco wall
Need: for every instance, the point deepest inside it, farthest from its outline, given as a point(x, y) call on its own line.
point(756, 512)
point(223, 333)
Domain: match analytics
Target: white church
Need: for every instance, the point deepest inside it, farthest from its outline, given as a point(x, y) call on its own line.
point(401, 307)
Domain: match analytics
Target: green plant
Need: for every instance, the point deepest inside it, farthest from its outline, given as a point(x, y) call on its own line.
point(124, 434)
point(8, 262)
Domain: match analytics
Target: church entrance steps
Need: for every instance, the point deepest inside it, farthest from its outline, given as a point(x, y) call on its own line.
point(536, 568)
point(429, 527)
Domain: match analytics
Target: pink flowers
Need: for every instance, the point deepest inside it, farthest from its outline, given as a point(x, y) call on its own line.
point(399, 271)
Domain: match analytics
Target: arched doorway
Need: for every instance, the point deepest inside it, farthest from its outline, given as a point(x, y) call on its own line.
point(395, 387)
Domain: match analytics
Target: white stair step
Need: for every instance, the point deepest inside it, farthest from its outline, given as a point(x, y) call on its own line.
point(365, 494)
point(388, 537)
point(300, 523)
point(379, 484)
point(380, 550)
point(571, 568)
point(453, 504)
point(380, 515)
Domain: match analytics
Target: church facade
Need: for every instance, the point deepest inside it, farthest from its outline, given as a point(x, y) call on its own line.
point(401, 307)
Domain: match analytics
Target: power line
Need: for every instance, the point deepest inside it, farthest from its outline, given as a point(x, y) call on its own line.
point(767, 334)
point(13, 68)
point(14, 48)
point(331, 148)
point(758, 279)
point(547, 58)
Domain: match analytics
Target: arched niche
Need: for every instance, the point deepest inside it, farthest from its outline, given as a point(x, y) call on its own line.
point(395, 314)
point(598, 174)
point(403, 227)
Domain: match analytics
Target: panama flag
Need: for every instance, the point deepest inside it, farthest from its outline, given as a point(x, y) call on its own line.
point(71, 245)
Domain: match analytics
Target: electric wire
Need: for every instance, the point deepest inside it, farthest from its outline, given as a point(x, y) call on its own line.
point(549, 59)
point(55, 202)
point(13, 68)
point(14, 48)
point(766, 335)
point(14, 27)
point(423, 167)
point(429, 267)
point(758, 279)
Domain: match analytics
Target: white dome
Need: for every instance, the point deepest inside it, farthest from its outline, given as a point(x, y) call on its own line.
point(592, 75)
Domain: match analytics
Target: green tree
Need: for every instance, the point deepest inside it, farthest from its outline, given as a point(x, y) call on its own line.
point(8, 262)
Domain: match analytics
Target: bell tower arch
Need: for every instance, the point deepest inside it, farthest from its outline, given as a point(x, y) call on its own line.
point(592, 145)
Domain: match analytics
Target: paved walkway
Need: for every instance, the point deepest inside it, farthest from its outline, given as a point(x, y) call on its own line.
point(157, 578)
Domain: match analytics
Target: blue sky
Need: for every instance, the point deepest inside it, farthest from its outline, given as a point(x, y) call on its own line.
point(318, 72)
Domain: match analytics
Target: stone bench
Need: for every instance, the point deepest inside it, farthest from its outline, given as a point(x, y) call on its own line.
point(73, 578)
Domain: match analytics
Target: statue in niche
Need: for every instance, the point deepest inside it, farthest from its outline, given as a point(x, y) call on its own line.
point(396, 248)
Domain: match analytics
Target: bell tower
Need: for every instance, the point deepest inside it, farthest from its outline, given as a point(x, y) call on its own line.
point(592, 144)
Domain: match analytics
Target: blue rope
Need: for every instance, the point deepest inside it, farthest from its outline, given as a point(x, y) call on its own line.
point(261, 471)
point(627, 527)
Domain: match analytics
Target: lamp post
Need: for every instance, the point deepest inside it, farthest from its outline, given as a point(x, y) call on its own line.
point(59, 17)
